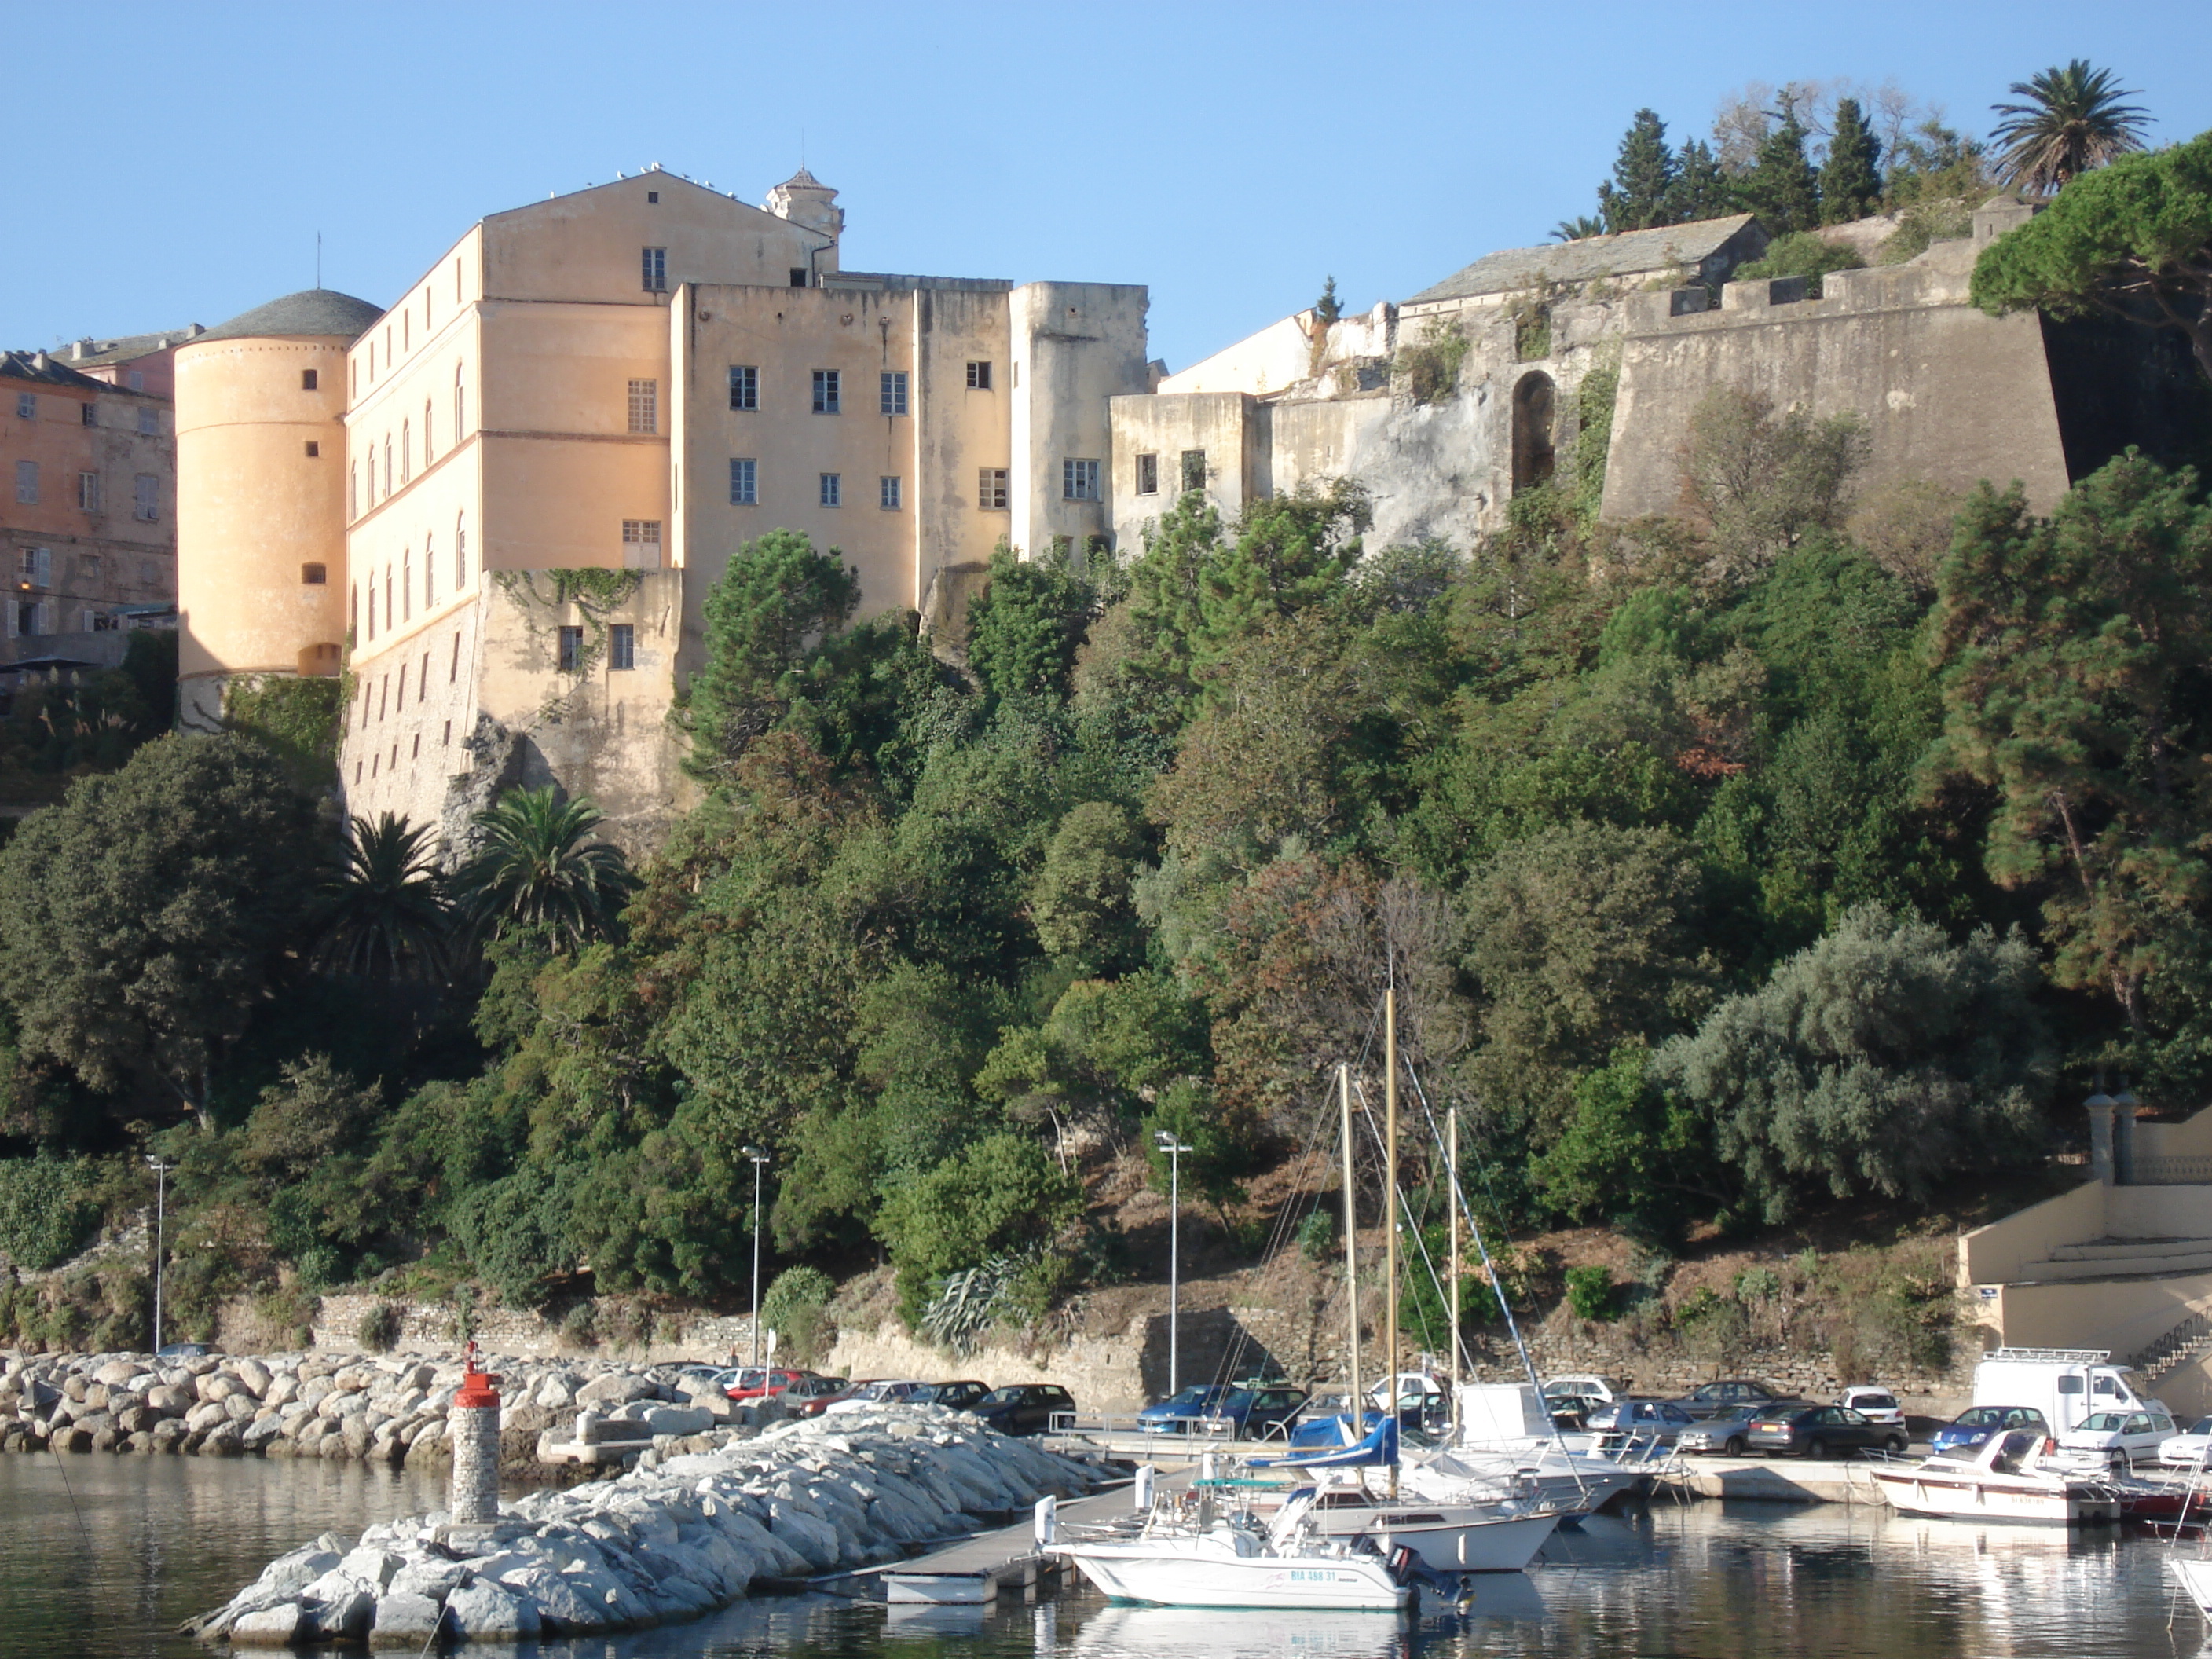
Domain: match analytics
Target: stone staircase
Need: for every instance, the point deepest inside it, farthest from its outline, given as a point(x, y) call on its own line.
point(2121, 1258)
point(2189, 1339)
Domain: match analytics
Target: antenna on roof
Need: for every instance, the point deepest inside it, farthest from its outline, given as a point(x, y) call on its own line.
point(319, 259)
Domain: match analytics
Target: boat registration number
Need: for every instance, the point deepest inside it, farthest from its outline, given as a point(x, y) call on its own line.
point(1319, 1575)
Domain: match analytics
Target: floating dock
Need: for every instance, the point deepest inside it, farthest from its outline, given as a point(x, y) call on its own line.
point(974, 1571)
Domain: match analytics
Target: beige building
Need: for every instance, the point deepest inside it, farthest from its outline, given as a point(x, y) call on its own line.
point(555, 441)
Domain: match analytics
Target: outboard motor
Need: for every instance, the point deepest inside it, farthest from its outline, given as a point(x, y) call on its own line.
point(1407, 1567)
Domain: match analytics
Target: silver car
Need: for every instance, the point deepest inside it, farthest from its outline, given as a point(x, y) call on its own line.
point(1726, 1433)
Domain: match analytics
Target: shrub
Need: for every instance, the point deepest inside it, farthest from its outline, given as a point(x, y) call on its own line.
point(1804, 253)
point(1317, 1236)
point(797, 1309)
point(44, 1219)
point(379, 1330)
point(580, 1326)
point(1590, 1294)
point(1432, 367)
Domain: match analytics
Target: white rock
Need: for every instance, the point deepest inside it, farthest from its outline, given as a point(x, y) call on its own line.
point(273, 1627)
point(482, 1611)
point(405, 1619)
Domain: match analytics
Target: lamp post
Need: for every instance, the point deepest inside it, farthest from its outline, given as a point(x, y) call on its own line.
point(759, 1156)
point(160, 1223)
point(1175, 1149)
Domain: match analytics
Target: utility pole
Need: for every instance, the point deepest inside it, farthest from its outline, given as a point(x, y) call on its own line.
point(1451, 1193)
point(759, 1156)
point(1359, 1405)
point(161, 1241)
point(1173, 1147)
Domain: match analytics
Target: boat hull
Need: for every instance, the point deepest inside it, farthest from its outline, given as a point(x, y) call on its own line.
point(2195, 1579)
point(1135, 1572)
point(1964, 1498)
point(1449, 1538)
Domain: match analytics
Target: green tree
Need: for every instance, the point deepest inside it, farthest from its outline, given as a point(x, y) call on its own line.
point(1804, 253)
point(383, 914)
point(1641, 192)
point(1328, 308)
point(537, 866)
point(2133, 238)
point(1850, 177)
point(766, 623)
point(1025, 628)
point(1881, 1060)
point(1002, 1193)
point(142, 921)
point(1081, 903)
point(2072, 121)
point(1702, 189)
point(1631, 1157)
point(2071, 651)
point(1763, 481)
point(1579, 229)
point(1781, 187)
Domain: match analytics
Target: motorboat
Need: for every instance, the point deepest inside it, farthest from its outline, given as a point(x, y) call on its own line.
point(2011, 1477)
point(1236, 1562)
point(2194, 1573)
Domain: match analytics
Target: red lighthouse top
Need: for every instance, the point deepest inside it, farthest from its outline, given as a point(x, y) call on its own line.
point(478, 1388)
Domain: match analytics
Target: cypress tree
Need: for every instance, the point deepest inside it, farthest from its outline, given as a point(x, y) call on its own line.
point(1644, 174)
point(1851, 180)
point(1701, 190)
point(1782, 188)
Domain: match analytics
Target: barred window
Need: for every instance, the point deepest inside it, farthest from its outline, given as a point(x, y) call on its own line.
point(894, 392)
point(833, 489)
point(887, 493)
point(622, 645)
point(1194, 469)
point(572, 649)
point(645, 406)
point(978, 377)
point(27, 406)
point(1079, 481)
point(745, 386)
point(744, 481)
point(991, 488)
point(89, 414)
point(654, 268)
point(1148, 474)
point(826, 390)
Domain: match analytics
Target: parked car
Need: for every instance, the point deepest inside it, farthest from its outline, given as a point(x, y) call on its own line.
point(1023, 1408)
point(1570, 1400)
point(1645, 1421)
point(954, 1396)
point(1715, 1398)
point(1421, 1401)
point(1876, 1405)
point(2120, 1438)
point(877, 1391)
point(2186, 1451)
point(1819, 1431)
point(760, 1383)
point(812, 1395)
point(1181, 1412)
point(1973, 1426)
point(1730, 1433)
point(1255, 1414)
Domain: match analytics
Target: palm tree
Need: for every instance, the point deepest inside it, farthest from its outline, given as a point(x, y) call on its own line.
point(2072, 121)
point(383, 914)
point(1579, 229)
point(535, 867)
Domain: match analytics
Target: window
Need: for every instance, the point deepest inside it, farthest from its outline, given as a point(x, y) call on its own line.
point(89, 413)
point(1148, 474)
point(825, 391)
point(27, 406)
point(621, 646)
point(399, 703)
point(150, 422)
point(654, 265)
point(353, 490)
point(446, 742)
point(460, 553)
point(833, 489)
point(145, 497)
point(572, 649)
point(1194, 469)
point(797, 275)
point(27, 617)
point(459, 399)
point(652, 196)
point(1079, 481)
point(454, 673)
point(426, 433)
point(416, 752)
point(894, 392)
point(645, 406)
point(27, 483)
point(991, 488)
point(387, 465)
point(307, 380)
point(641, 543)
point(388, 596)
point(87, 491)
point(135, 379)
point(745, 386)
point(978, 377)
point(744, 481)
point(429, 571)
point(406, 452)
point(315, 449)
point(314, 575)
point(406, 597)
point(887, 495)
point(35, 565)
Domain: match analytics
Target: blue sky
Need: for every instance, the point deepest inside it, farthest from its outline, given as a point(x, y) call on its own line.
point(1228, 155)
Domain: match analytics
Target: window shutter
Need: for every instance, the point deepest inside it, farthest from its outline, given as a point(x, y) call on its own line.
point(46, 570)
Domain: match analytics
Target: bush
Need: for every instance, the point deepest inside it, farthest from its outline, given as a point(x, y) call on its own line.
point(379, 1330)
point(1002, 1193)
point(1317, 1236)
point(1590, 1294)
point(44, 1219)
point(1803, 253)
point(797, 1309)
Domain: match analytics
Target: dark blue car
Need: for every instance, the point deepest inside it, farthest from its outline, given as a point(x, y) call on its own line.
point(1179, 1412)
point(1970, 1428)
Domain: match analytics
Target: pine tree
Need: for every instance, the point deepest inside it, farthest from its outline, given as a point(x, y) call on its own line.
point(1701, 190)
point(1851, 180)
point(1782, 188)
point(1643, 178)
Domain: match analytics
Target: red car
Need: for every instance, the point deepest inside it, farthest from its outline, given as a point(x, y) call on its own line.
point(752, 1382)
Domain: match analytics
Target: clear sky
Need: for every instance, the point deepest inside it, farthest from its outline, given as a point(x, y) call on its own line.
point(171, 163)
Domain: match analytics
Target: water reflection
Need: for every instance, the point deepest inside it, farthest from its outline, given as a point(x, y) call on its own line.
point(105, 1565)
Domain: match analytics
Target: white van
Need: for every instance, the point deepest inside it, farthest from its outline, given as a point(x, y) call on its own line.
point(2066, 1385)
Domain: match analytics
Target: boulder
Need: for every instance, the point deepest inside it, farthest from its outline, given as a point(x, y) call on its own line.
point(254, 1375)
point(226, 1439)
point(167, 1400)
point(373, 1566)
point(346, 1617)
point(240, 1406)
point(615, 1388)
point(116, 1371)
point(219, 1387)
point(484, 1611)
point(433, 1577)
point(405, 1619)
point(279, 1626)
point(205, 1416)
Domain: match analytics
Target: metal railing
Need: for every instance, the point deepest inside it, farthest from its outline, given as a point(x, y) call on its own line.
point(2181, 1343)
point(2191, 1170)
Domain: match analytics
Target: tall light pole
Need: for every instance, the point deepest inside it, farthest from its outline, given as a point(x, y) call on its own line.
point(160, 1225)
point(1175, 1149)
point(759, 1156)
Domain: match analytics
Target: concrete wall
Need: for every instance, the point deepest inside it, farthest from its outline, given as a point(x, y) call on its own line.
point(958, 431)
point(1076, 347)
point(1998, 1253)
point(2158, 1211)
point(2122, 1315)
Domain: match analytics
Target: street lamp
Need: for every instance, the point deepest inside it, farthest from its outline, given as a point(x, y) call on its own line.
point(1175, 1149)
point(160, 1221)
point(759, 1156)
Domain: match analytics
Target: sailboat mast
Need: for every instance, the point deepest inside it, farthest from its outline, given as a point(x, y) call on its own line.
point(1351, 1243)
point(1390, 1202)
point(1451, 1291)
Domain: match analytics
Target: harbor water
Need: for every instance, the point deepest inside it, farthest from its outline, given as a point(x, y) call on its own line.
point(102, 1557)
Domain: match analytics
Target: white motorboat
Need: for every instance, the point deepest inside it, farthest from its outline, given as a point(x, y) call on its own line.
point(1450, 1537)
point(2196, 1577)
point(1235, 1563)
point(2009, 1479)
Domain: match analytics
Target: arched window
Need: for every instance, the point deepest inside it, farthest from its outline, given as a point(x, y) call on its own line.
point(388, 596)
point(407, 583)
point(426, 435)
point(406, 453)
point(429, 571)
point(387, 465)
point(371, 607)
point(460, 552)
point(353, 608)
point(353, 490)
point(460, 391)
point(1532, 404)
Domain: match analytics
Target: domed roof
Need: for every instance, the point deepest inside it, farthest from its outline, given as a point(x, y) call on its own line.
point(312, 311)
point(803, 180)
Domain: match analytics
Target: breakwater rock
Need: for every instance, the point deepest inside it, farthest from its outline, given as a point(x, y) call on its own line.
point(677, 1536)
point(382, 1409)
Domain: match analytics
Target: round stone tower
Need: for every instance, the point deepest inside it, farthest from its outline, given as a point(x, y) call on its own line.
point(261, 509)
point(805, 201)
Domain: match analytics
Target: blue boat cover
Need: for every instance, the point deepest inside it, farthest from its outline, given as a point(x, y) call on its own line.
point(1380, 1447)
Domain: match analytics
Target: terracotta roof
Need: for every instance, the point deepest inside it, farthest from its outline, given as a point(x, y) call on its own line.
point(1588, 259)
point(319, 312)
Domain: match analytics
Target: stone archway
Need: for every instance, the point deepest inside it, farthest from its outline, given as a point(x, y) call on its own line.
point(1534, 408)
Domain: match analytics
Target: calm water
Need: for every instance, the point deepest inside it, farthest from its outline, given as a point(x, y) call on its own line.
point(105, 1565)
